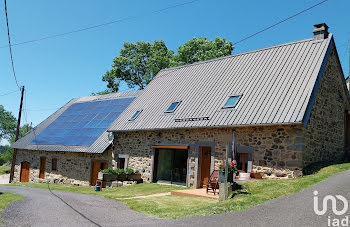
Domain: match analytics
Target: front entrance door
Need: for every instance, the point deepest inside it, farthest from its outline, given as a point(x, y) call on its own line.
point(171, 166)
point(95, 169)
point(24, 177)
point(205, 165)
point(42, 167)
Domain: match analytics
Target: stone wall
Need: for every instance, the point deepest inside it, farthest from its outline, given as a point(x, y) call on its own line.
point(274, 146)
point(72, 167)
point(325, 132)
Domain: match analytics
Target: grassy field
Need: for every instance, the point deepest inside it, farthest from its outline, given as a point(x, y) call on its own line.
point(5, 169)
point(173, 207)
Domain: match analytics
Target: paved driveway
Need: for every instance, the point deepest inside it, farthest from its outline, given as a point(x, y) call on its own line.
point(44, 208)
point(57, 208)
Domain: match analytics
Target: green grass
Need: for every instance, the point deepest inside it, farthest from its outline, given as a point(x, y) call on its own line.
point(173, 207)
point(5, 169)
point(5, 199)
point(112, 193)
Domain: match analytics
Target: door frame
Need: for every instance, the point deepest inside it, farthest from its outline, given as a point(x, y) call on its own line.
point(154, 158)
point(200, 164)
point(198, 146)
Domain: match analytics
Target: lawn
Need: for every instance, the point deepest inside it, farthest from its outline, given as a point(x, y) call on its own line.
point(118, 193)
point(173, 207)
point(6, 198)
point(5, 169)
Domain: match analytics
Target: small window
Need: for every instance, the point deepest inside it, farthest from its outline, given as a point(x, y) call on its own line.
point(232, 101)
point(54, 164)
point(136, 114)
point(172, 107)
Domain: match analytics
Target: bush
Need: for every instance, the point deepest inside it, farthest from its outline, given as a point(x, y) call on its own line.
point(129, 171)
point(119, 171)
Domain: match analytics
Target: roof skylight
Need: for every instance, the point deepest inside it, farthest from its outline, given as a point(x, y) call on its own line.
point(136, 114)
point(232, 101)
point(172, 107)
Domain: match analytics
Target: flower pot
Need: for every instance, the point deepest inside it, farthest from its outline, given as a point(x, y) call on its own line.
point(222, 177)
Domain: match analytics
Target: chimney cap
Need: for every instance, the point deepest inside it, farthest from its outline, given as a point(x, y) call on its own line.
point(320, 31)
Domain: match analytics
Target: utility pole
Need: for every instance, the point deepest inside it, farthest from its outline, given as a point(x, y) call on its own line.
point(17, 136)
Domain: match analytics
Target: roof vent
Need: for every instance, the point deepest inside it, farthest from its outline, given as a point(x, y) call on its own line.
point(320, 31)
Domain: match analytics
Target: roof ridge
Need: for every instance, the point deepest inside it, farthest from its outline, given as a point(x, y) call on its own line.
point(238, 54)
point(113, 95)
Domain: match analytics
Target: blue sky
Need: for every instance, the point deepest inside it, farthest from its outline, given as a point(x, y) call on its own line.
point(57, 70)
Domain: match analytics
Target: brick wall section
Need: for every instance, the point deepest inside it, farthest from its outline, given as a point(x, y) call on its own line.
point(325, 135)
point(274, 146)
point(72, 167)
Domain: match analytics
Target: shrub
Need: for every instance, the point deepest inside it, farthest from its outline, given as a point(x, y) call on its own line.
point(129, 171)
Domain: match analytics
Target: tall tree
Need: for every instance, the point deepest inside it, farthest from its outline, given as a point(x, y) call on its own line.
point(137, 64)
point(201, 49)
point(7, 124)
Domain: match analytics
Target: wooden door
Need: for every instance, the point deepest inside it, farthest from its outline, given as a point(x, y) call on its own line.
point(96, 167)
point(94, 172)
point(42, 167)
point(24, 177)
point(205, 164)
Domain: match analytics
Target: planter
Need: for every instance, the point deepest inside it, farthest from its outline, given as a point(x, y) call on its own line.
point(134, 176)
point(222, 177)
point(107, 176)
point(121, 177)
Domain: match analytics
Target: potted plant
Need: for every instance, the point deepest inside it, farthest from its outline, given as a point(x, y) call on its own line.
point(231, 170)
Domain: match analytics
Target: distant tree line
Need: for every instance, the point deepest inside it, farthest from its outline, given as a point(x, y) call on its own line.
point(8, 124)
point(137, 63)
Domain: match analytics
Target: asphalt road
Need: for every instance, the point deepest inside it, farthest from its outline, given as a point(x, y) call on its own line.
point(57, 208)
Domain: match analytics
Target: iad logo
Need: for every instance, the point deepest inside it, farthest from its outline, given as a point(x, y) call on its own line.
point(333, 199)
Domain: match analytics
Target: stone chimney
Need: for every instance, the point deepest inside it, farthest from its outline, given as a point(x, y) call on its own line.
point(320, 31)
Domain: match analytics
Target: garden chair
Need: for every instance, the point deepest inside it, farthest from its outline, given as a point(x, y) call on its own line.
point(213, 182)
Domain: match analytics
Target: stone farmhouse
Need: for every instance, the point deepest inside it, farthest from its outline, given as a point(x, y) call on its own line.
point(72, 145)
point(283, 107)
point(277, 108)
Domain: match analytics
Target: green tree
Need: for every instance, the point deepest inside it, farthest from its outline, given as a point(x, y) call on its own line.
point(6, 156)
point(7, 124)
point(137, 64)
point(201, 49)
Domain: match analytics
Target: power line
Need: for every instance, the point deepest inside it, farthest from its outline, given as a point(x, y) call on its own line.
point(99, 25)
point(42, 109)
point(280, 22)
point(8, 35)
point(9, 93)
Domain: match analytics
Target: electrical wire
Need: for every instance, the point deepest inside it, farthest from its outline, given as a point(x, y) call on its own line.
point(8, 35)
point(9, 93)
point(99, 25)
point(280, 22)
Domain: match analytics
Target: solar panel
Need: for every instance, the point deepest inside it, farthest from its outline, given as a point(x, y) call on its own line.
point(82, 123)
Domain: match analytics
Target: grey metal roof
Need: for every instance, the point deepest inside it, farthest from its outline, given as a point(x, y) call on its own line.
point(275, 85)
point(99, 146)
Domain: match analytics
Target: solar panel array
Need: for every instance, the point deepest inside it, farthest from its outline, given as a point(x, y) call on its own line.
point(82, 123)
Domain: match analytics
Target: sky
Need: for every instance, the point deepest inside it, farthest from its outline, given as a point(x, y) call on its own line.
point(56, 70)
